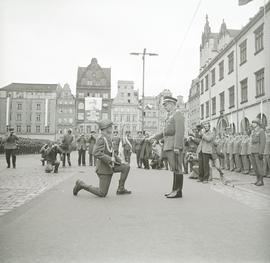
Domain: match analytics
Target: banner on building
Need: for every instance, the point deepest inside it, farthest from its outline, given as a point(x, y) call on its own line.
point(93, 108)
point(46, 112)
point(7, 110)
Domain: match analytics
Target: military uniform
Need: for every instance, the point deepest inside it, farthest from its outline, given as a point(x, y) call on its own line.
point(266, 155)
point(236, 154)
point(107, 164)
point(173, 135)
point(128, 147)
point(258, 141)
point(230, 150)
point(244, 154)
point(10, 146)
point(116, 142)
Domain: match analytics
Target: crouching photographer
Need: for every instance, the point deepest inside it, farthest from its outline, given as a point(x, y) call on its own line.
point(51, 157)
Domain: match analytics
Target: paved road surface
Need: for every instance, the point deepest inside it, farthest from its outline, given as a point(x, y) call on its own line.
point(207, 225)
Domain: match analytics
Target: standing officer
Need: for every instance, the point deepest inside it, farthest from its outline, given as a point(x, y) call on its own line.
point(236, 153)
point(67, 147)
point(116, 142)
point(173, 135)
point(91, 143)
point(258, 141)
point(266, 154)
point(128, 146)
point(138, 147)
point(10, 146)
point(107, 164)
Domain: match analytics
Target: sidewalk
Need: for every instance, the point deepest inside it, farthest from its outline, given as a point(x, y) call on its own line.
point(245, 182)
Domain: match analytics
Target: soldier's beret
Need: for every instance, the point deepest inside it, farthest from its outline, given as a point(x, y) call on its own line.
point(169, 99)
point(11, 129)
point(258, 121)
point(105, 124)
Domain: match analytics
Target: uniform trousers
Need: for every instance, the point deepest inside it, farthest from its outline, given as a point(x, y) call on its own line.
point(232, 161)
point(266, 164)
point(171, 157)
point(238, 162)
point(252, 162)
point(227, 161)
point(246, 163)
point(9, 153)
point(258, 165)
point(105, 180)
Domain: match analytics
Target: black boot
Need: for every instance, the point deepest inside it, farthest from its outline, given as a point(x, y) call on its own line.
point(260, 181)
point(177, 193)
point(173, 186)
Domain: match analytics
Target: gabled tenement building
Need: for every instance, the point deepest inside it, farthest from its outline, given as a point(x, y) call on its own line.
point(234, 78)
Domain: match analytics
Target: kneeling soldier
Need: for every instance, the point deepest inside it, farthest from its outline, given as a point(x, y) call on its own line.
point(107, 164)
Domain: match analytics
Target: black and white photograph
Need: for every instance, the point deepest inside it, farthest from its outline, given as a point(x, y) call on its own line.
point(134, 131)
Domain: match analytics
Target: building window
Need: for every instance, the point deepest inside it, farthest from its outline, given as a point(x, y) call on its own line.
point(202, 87)
point(230, 62)
point(70, 120)
point(222, 101)
point(105, 95)
point(128, 118)
point(47, 129)
point(38, 106)
point(231, 97)
point(221, 70)
point(38, 129)
point(88, 129)
point(28, 128)
point(207, 109)
point(81, 95)
point(244, 90)
point(258, 33)
point(202, 111)
point(128, 94)
point(243, 52)
point(81, 106)
point(213, 75)
point(259, 76)
point(38, 117)
point(206, 83)
point(214, 106)
point(19, 106)
point(128, 101)
point(19, 128)
point(19, 117)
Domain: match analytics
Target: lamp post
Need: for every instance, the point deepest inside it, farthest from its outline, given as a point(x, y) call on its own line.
point(143, 54)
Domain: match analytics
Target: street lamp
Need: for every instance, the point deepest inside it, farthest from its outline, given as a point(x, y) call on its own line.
point(143, 54)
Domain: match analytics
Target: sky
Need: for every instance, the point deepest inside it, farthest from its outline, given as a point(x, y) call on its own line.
point(45, 41)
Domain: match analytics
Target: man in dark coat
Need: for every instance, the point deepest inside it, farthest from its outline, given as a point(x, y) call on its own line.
point(51, 157)
point(173, 135)
point(146, 152)
point(67, 147)
point(10, 145)
point(81, 146)
point(107, 164)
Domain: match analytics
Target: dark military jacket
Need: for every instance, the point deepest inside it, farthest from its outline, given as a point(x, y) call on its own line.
point(51, 153)
point(173, 133)
point(10, 142)
point(103, 151)
point(138, 143)
point(258, 141)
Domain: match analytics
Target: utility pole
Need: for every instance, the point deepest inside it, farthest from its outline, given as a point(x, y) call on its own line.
point(143, 54)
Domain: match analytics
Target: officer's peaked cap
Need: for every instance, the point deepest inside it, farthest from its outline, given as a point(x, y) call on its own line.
point(169, 99)
point(105, 124)
point(11, 129)
point(258, 121)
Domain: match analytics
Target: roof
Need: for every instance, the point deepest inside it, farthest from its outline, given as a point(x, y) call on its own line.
point(34, 87)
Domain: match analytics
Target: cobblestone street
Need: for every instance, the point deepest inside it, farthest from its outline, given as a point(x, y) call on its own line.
point(29, 180)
